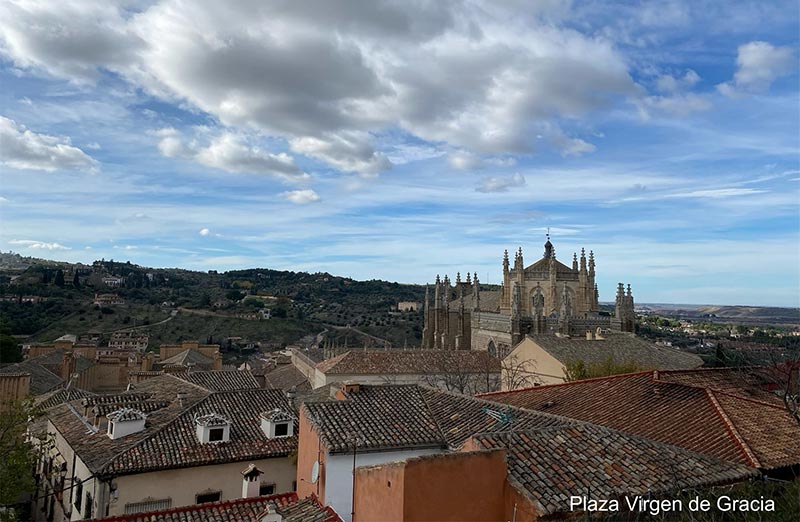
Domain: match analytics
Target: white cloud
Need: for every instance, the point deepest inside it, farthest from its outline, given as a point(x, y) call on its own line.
point(759, 64)
point(301, 197)
point(231, 153)
point(23, 149)
point(350, 152)
point(500, 184)
point(40, 245)
point(490, 75)
point(204, 231)
point(464, 160)
point(676, 99)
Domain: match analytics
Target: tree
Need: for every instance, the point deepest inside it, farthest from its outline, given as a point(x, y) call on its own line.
point(59, 279)
point(10, 350)
point(17, 456)
point(518, 373)
point(578, 369)
point(76, 282)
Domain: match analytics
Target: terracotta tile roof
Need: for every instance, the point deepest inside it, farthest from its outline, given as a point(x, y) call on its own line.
point(550, 465)
point(221, 380)
point(285, 377)
point(95, 448)
point(749, 382)
point(622, 347)
point(380, 417)
point(409, 416)
point(705, 420)
point(460, 416)
point(61, 396)
point(187, 356)
point(288, 505)
point(147, 406)
point(176, 445)
point(390, 362)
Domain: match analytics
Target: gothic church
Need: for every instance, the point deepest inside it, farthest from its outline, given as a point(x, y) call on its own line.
point(545, 297)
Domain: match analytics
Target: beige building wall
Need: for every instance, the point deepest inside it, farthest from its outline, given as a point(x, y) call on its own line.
point(547, 368)
point(183, 485)
point(168, 350)
point(180, 485)
point(13, 387)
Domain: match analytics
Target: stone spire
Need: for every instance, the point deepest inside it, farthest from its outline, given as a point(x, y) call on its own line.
point(591, 263)
point(476, 294)
point(575, 261)
point(583, 260)
point(505, 261)
point(458, 278)
point(469, 278)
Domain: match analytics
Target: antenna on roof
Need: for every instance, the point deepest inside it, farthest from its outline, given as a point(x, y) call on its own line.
point(503, 417)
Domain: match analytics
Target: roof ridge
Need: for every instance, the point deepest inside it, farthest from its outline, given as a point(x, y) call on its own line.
point(748, 452)
point(430, 412)
point(565, 383)
point(749, 399)
point(206, 505)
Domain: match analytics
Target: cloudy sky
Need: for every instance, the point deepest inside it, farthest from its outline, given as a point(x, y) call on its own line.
point(401, 139)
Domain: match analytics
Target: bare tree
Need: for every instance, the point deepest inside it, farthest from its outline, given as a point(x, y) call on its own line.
point(518, 373)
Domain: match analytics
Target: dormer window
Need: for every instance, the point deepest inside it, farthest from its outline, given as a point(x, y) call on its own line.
point(125, 421)
point(277, 423)
point(213, 427)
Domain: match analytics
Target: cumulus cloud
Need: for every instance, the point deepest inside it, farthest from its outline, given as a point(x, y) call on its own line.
point(675, 98)
point(40, 245)
point(231, 153)
point(350, 152)
point(759, 64)
point(204, 231)
point(301, 197)
point(478, 77)
point(464, 160)
point(23, 149)
point(500, 184)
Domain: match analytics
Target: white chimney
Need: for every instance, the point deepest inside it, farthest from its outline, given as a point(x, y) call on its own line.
point(250, 481)
point(124, 422)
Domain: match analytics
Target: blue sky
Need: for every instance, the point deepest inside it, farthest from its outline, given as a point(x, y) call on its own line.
point(374, 140)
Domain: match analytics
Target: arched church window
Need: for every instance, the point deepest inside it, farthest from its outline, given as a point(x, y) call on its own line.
point(492, 349)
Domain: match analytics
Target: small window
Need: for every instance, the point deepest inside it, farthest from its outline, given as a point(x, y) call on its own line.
point(87, 508)
point(266, 489)
point(294, 485)
point(213, 496)
point(110, 428)
point(282, 429)
point(216, 434)
point(78, 495)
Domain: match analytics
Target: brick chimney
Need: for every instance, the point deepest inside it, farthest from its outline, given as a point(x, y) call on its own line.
point(67, 366)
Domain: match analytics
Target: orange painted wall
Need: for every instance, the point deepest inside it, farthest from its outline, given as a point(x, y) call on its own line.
point(456, 486)
point(379, 493)
point(309, 449)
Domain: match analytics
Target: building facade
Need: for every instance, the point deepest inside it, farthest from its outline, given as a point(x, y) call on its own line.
point(544, 297)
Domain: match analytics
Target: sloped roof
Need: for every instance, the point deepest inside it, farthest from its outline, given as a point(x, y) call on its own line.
point(392, 362)
point(409, 416)
point(622, 347)
point(61, 396)
point(288, 505)
point(285, 377)
point(42, 379)
point(221, 380)
point(176, 444)
point(718, 423)
point(188, 356)
point(550, 465)
point(95, 448)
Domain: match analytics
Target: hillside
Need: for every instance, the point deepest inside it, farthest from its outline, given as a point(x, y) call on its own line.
point(199, 305)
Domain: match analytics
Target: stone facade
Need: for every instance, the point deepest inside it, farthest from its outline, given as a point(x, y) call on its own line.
point(544, 297)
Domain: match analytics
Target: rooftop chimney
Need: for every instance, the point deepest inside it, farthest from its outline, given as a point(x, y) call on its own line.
point(250, 481)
